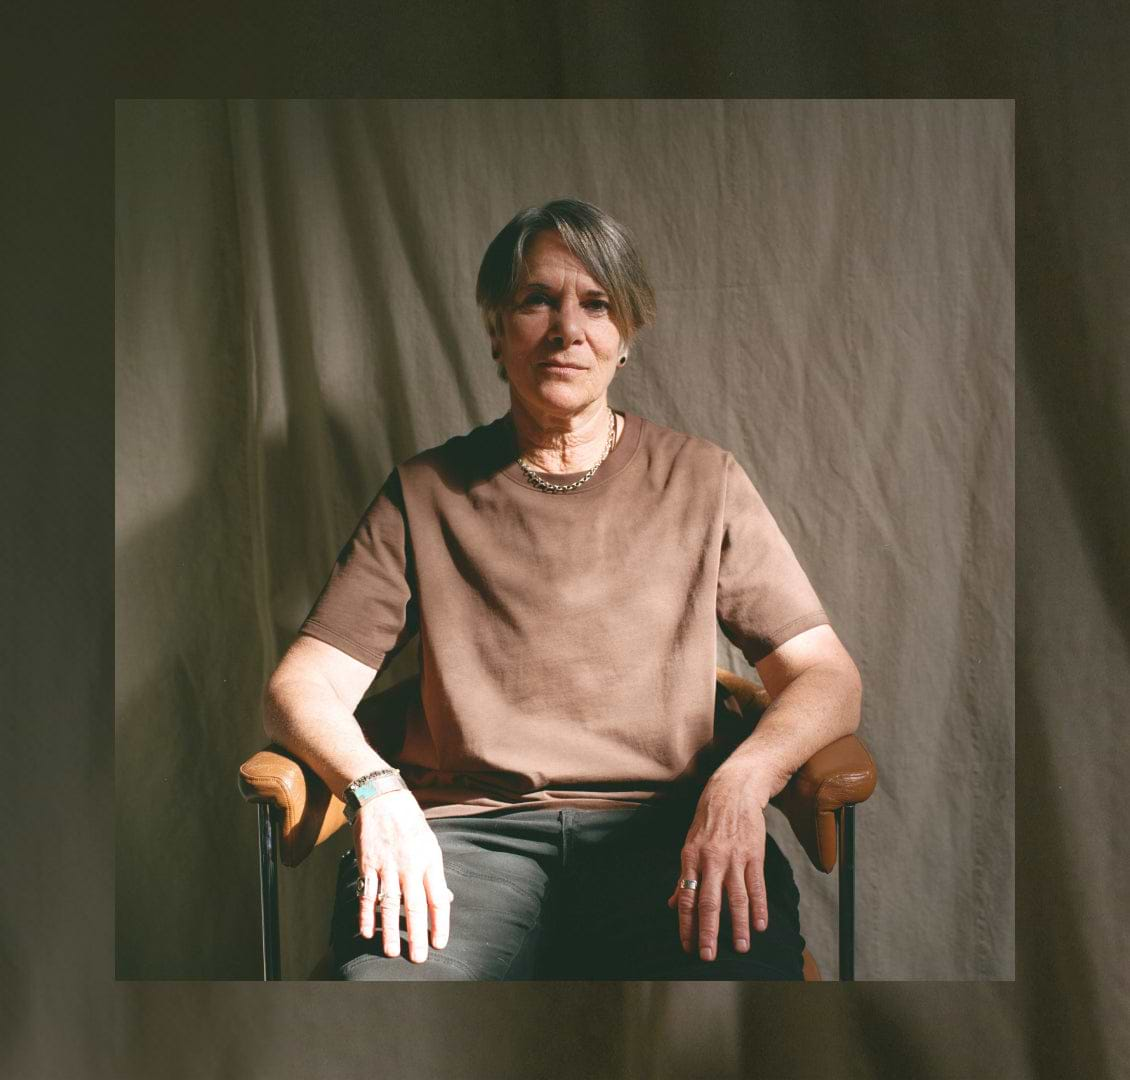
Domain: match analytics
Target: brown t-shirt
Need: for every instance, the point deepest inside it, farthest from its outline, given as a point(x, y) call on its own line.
point(567, 641)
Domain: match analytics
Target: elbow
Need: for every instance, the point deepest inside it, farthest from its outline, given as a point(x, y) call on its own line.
point(845, 686)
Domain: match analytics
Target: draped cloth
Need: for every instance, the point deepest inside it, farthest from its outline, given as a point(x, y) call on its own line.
point(295, 315)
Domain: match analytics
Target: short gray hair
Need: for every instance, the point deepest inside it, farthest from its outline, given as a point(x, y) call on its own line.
point(597, 240)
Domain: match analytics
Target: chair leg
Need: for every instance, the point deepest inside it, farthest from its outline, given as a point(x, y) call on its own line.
point(269, 890)
point(847, 893)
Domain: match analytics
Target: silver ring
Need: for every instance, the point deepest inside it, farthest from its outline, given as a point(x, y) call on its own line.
point(361, 887)
point(688, 883)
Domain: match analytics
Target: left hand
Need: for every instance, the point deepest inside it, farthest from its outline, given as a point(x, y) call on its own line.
point(725, 853)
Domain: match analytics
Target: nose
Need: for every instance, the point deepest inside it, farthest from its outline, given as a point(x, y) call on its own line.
point(566, 327)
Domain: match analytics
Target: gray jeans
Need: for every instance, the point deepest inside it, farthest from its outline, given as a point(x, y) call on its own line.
point(570, 894)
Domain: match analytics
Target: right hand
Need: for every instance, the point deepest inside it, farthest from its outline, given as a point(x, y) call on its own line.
point(396, 846)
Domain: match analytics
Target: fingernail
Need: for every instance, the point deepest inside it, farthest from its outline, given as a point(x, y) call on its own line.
point(686, 945)
point(418, 956)
point(706, 953)
point(741, 944)
point(761, 924)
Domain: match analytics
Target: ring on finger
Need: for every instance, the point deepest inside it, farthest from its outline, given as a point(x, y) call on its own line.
point(688, 883)
point(363, 885)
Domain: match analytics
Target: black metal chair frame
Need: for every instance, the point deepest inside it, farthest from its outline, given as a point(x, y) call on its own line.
point(270, 823)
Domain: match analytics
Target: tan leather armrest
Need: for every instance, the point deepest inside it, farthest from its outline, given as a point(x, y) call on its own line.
point(310, 814)
point(841, 774)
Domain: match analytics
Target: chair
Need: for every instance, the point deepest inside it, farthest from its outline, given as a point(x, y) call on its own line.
point(297, 811)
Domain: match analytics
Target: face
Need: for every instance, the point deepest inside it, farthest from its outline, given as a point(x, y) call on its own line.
point(559, 344)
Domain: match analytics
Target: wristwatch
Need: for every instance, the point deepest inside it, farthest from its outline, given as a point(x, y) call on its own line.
point(368, 787)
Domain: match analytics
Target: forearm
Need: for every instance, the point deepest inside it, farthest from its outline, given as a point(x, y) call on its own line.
point(308, 718)
point(818, 707)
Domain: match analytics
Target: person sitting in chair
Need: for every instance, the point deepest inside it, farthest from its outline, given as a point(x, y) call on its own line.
point(560, 806)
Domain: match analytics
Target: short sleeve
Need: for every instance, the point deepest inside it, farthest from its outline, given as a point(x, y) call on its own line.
point(764, 596)
point(368, 606)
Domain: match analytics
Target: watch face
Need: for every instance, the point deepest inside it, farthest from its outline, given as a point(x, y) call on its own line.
point(352, 805)
point(358, 794)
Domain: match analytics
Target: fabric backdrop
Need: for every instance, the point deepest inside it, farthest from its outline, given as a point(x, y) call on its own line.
point(295, 315)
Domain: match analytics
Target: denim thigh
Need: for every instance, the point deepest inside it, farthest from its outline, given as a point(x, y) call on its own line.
point(500, 869)
point(615, 920)
point(570, 894)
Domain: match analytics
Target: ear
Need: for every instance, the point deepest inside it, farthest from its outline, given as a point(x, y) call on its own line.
point(625, 346)
point(493, 328)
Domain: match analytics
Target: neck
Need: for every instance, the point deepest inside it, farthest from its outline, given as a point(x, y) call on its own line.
point(561, 444)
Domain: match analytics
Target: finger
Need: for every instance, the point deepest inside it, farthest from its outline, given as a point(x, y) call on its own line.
point(686, 903)
point(416, 917)
point(738, 898)
point(390, 911)
point(367, 902)
point(709, 909)
point(439, 903)
point(673, 899)
point(758, 900)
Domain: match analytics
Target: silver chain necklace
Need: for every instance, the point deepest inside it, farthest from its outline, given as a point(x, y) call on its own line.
point(559, 489)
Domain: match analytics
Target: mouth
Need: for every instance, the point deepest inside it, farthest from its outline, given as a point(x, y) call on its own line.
point(560, 365)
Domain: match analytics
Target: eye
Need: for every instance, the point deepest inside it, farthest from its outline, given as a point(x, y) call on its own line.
point(598, 305)
point(534, 299)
